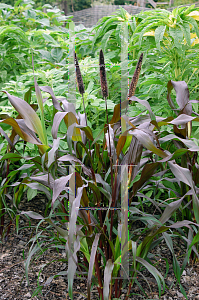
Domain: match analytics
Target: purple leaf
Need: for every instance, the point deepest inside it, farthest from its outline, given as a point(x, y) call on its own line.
point(107, 278)
point(91, 263)
point(59, 185)
point(32, 215)
point(49, 90)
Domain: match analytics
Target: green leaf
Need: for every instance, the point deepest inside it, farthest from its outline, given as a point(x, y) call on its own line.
point(57, 54)
point(105, 39)
point(49, 38)
point(177, 36)
point(159, 278)
point(46, 55)
point(84, 248)
point(183, 291)
point(12, 156)
point(5, 6)
point(176, 266)
point(159, 33)
point(195, 240)
point(37, 291)
point(186, 31)
point(44, 22)
point(17, 3)
point(40, 103)
point(32, 251)
point(17, 223)
point(31, 194)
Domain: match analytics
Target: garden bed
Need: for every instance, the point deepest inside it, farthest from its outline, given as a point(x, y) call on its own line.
point(14, 284)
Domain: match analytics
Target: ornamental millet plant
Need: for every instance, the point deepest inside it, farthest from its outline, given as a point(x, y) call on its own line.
point(95, 232)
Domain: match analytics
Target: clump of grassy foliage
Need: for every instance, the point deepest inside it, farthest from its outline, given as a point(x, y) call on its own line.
point(98, 181)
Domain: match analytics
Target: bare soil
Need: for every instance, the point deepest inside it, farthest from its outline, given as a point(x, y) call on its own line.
point(14, 285)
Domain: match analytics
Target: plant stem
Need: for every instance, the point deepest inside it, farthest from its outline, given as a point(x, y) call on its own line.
point(84, 109)
point(116, 286)
point(113, 205)
point(130, 285)
point(120, 287)
point(99, 276)
point(110, 157)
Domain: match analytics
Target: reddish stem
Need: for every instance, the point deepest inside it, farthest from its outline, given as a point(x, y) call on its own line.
point(120, 288)
point(99, 277)
point(116, 287)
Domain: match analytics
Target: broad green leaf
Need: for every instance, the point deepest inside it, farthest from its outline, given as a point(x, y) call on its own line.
point(186, 31)
point(39, 187)
point(12, 156)
point(31, 193)
point(46, 55)
point(105, 39)
point(57, 54)
point(6, 6)
point(49, 38)
point(177, 36)
point(195, 240)
point(45, 22)
point(159, 33)
point(84, 248)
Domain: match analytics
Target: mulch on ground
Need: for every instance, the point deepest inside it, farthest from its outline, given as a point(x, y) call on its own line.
point(14, 285)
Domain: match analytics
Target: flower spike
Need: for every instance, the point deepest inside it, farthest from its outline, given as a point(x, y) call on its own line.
point(78, 76)
point(103, 75)
point(135, 77)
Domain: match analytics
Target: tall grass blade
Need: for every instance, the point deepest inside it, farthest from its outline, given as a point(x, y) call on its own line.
point(107, 278)
point(91, 263)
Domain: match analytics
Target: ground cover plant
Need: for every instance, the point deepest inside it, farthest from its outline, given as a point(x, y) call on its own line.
point(99, 182)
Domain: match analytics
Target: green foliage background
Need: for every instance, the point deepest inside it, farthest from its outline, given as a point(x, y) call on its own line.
point(77, 4)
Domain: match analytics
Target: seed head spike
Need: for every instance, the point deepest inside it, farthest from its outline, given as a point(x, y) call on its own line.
point(135, 77)
point(78, 76)
point(103, 81)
